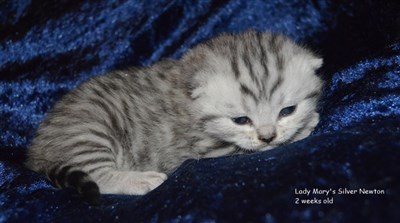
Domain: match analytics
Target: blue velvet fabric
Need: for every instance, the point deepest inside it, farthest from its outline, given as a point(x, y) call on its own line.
point(49, 47)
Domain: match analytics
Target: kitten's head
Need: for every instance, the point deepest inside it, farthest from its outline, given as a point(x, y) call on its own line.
point(254, 90)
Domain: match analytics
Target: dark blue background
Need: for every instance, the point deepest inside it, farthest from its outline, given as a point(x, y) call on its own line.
point(49, 47)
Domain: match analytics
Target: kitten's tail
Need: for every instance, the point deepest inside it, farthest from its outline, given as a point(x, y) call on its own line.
point(79, 180)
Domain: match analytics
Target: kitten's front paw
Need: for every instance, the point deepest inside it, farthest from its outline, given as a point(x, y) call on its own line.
point(146, 182)
point(130, 182)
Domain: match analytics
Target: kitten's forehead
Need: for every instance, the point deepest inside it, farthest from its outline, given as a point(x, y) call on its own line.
point(257, 70)
point(255, 43)
point(262, 60)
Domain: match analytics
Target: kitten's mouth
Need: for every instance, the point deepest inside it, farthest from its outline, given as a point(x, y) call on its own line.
point(254, 150)
point(243, 150)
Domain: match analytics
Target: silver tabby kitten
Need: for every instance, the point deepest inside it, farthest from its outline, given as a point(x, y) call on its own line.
point(123, 132)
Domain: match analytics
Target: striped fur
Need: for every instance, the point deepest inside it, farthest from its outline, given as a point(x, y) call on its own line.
point(124, 131)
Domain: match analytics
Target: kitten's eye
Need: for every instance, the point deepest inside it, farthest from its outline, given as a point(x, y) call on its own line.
point(242, 120)
point(287, 111)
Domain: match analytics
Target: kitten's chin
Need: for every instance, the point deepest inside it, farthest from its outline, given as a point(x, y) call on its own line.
point(265, 148)
point(255, 149)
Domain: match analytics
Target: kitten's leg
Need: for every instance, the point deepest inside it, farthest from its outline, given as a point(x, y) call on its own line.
point(129, 182)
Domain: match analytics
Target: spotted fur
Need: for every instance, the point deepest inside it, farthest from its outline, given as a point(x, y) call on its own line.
point(124, 131)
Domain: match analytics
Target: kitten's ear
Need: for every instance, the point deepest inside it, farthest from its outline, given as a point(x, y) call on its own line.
point(191, 64)
point(316, 63)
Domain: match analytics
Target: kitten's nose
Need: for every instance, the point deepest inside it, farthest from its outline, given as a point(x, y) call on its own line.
point(267, 139)
point(266, 133)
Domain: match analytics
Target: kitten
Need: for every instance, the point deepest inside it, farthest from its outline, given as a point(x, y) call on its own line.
point(121, 133)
